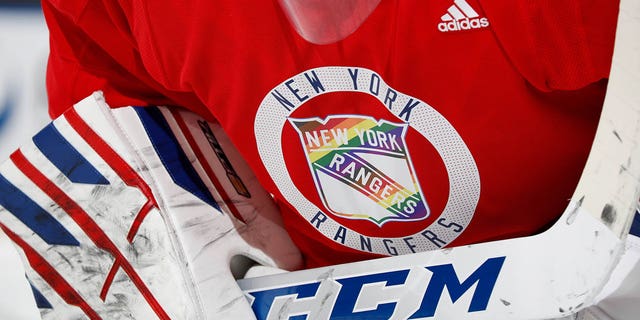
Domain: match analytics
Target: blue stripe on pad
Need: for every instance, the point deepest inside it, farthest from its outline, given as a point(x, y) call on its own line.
point(32, 215)
point(635, 225)
point(41, 301)
point(66, 158)
point(171, 154)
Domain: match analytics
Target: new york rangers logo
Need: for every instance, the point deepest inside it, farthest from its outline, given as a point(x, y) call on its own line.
point(362, 168)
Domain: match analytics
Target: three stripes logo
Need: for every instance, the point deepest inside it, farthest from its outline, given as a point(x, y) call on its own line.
point(461, 16)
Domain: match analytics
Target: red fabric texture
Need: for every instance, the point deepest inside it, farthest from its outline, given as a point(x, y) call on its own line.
point(524, 93)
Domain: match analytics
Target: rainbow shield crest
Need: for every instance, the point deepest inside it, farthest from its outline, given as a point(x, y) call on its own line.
point(362, 168)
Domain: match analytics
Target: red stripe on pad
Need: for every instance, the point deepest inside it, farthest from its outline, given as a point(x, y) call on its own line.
point(205, 164)
point(129, 176)
point(88, 225)
point(51, 276)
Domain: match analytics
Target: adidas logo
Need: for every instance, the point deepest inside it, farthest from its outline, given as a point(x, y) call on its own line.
point(460, 16)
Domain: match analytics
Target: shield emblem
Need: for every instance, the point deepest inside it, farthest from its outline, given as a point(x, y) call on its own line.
point(361, 168)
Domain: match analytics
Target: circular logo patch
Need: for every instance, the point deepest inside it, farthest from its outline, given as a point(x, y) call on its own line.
point(361, 165)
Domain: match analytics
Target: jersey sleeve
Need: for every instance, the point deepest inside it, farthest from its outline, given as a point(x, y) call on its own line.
point(92, 48)
point(556, 45)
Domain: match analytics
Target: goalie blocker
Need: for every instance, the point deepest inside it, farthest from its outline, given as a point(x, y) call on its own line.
point(137, 213)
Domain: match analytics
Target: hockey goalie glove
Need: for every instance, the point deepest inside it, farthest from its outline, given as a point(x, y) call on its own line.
point(137, 213)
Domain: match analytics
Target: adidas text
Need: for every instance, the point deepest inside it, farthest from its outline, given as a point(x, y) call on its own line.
point(463, 24)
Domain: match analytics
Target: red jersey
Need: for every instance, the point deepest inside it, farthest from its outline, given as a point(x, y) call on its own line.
point(435, 123)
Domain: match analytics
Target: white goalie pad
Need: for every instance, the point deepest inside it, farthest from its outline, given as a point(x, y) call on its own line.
point(137, 213)
point(551, 275)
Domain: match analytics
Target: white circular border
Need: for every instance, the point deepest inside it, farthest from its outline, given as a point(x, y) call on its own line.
point(464, 179)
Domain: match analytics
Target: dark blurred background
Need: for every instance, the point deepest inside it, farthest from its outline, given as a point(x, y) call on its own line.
point(18, 3)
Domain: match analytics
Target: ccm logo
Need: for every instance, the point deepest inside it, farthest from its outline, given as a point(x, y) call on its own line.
point(378, 295)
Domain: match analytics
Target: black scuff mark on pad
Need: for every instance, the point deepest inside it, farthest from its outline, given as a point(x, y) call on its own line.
point(571, 217)
point(615, 133)
point(608, 215)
